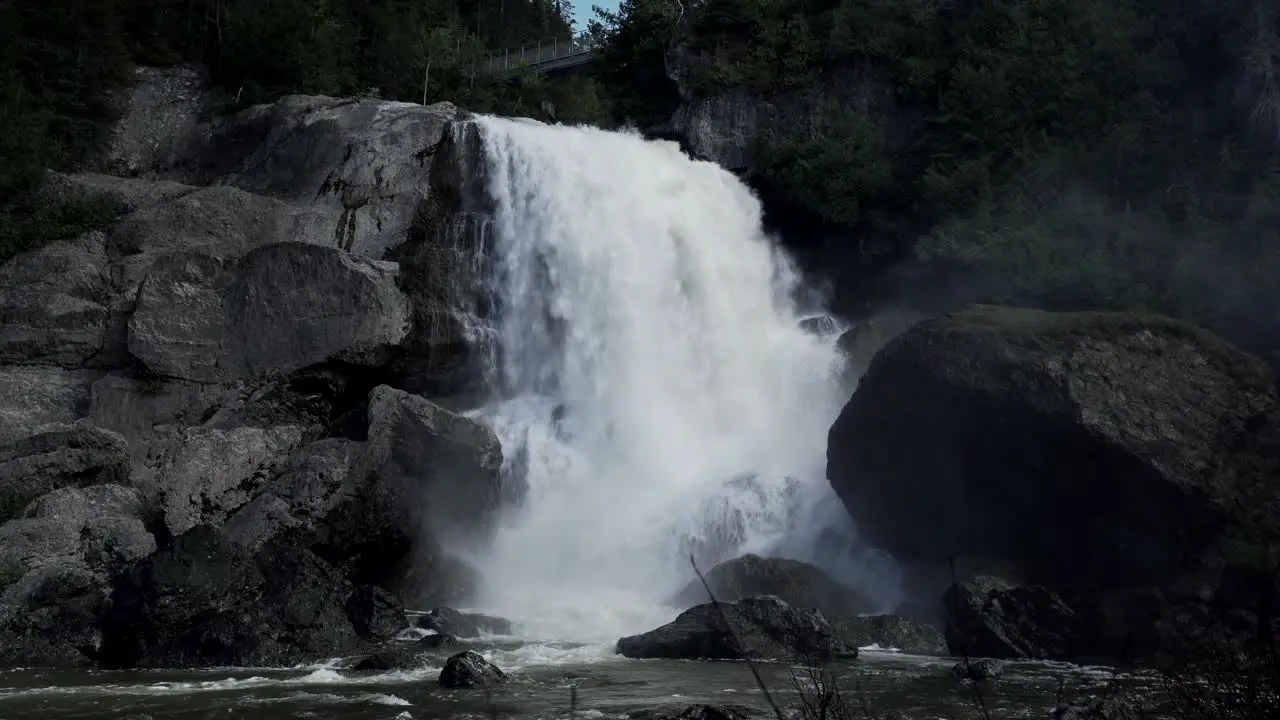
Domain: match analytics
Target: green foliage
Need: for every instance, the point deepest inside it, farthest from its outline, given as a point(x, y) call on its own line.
point(836, 170)
point(631, 59)
point(1075, 153)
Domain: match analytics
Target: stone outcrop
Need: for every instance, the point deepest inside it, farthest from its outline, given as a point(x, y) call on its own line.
point(762, 627)
point(1083, 457)
point(795, 582)
point(211, 446)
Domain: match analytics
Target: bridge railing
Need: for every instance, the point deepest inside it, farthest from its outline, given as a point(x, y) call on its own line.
point(536, 53)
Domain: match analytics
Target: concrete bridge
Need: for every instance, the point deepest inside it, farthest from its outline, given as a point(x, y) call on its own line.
point(549, 57)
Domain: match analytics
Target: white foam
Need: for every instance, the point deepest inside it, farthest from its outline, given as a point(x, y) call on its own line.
point(317, 677)
point(642, 294)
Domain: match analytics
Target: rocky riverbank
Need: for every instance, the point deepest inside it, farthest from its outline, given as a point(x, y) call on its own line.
point(215, 447)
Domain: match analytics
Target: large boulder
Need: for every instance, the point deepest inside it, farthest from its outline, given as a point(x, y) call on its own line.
point(58, 562)
point(204, 601)
point(798, 583)
point(366, 164)
point(762, 627)
point(428, 467)
point(1091, 449)
point(279, 308)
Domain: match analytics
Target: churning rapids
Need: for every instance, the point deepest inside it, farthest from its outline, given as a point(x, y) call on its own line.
point(655, 386)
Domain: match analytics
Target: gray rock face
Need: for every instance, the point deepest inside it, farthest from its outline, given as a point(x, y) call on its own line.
point(53, 304)
point(278, 309)
point(202, 370)
point(160, 112)
point(365, 163)
point(35, 396)
point(440, 468)
point(973, 435)
point(57, 456)
point(202, 475)
point(725, 126)
point(762, 627)
point(314, 482)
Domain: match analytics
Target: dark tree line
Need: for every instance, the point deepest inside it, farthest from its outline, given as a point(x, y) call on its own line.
point(60, 63)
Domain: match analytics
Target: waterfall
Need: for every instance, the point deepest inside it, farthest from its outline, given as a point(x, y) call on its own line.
point(653, 378)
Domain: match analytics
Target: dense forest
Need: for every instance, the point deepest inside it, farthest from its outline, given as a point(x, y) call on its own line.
point(1068, 153)
point(1063, 153)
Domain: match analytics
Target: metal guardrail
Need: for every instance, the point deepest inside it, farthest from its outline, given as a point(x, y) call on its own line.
point(531, 55)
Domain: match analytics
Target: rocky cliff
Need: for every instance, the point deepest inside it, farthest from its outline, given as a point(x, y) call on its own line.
point(216, 406)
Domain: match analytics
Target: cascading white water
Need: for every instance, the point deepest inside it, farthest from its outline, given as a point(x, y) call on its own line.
point(656, 380)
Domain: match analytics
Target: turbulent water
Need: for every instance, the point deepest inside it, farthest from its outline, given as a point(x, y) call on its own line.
point(657, 387)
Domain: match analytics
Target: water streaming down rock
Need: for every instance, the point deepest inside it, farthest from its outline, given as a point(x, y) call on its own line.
point(653, 374)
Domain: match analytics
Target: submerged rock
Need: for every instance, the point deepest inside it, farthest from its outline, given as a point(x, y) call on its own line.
point(797, 583)
point(763, 627)
point(469, 669)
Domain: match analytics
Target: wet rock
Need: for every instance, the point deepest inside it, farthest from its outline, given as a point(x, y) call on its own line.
point(204, 601)
point(375, 613)
point(56, 456)
point(763, 627)
point(449, 621)
point(120, 193)
point(469, 669)
point(279, 308)
point(312, 484)
point(890, 631)
point(978, 669)
point(367, 162)
point(440, 642)
point(797, 583)
point(989, 617)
